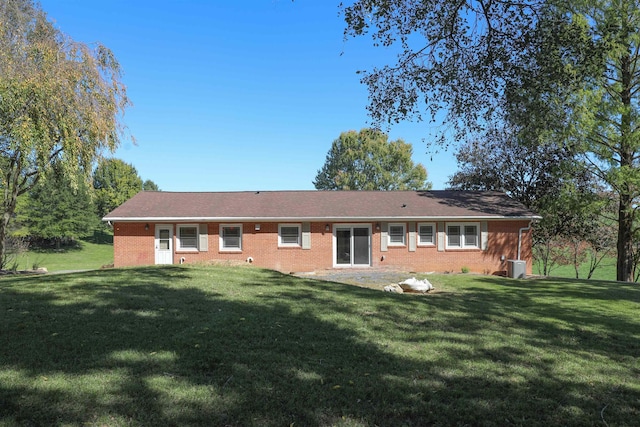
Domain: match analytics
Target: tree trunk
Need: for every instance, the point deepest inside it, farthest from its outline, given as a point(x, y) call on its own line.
point(576, 256)
point(3, 237)
point(14, 186)
point(8, 208)
point(624, 270)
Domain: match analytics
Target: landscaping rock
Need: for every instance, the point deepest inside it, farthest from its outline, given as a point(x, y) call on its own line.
point(396, 289)
point(415, 285)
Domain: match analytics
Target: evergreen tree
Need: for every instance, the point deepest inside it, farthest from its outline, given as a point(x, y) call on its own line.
point(60, 209)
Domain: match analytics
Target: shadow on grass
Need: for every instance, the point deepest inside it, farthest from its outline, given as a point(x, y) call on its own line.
point(153, 347)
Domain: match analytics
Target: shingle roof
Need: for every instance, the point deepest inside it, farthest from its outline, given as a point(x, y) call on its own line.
point(318, 205)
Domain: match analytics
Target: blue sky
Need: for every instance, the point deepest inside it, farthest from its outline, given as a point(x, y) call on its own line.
point(237, 95)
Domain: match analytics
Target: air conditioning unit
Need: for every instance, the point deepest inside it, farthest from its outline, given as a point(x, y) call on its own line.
point(516, 269)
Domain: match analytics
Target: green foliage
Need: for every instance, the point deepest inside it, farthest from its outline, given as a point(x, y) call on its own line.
point(60, 102)
point(561, 71)
point(608, 113)
point(550, 180)
point(115, 182)
point(455, 56)
point(498, 160)
point(149, 185)
point(366, 160)
point(59, 210)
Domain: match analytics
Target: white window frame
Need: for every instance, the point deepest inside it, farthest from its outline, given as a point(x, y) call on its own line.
point(179, 238)
point(404, 234)
point(297, 244)
point(222, 247)
point(463, 235)
point(433, 234)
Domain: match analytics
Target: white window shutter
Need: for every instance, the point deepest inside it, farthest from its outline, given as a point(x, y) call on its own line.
point(412, 237)
point(203, 238)
point(441, 237)
point(384, 236)
point(306, 235)
point(484, 235)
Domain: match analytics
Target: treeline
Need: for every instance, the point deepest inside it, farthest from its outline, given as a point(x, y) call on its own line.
point(64, 205)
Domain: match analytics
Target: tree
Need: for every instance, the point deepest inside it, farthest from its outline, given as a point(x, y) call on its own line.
point(454, 56)
point(60, 102)
point(149, 185)
point(497, 161)
point(115, 182)
point(608, 110)
point(544, 177)
point(366, 160)
point(471, 56)
point(60, 208)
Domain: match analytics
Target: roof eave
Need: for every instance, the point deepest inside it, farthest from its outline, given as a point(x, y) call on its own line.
point(324, 219)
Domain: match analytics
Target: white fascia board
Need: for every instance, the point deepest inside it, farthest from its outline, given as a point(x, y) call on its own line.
point(320, 219)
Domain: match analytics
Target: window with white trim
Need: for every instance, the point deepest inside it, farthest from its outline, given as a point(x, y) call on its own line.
point(463, 236)
point(187, 237)
point(397, 234)
point(231, 237)
point(426, 234)
point(471, 238)
point(289, 235)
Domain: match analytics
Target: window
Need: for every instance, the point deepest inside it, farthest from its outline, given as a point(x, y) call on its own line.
point(426, 234)
point(231, 237)
point(396, 235)
point(289, 235)
point(463, 236)
point(453, 236)
point(471, 235)
point(187, 237)
point(164, 239)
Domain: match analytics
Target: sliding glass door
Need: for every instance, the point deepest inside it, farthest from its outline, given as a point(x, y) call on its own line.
point(352, 246)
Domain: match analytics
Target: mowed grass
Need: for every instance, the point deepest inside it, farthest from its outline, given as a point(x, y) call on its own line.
point(606, 270)
point(86, 255)
point(218, 346)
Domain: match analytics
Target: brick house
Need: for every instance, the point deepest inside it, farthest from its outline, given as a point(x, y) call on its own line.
point(297, 231)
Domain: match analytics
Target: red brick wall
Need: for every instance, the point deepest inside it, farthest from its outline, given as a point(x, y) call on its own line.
point(502, 241)
point(133, 245)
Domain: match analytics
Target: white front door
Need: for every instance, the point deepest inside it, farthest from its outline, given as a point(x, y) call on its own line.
point(164, 244)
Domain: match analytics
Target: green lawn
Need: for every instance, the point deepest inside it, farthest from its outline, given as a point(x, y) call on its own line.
point(193, 345)
point(605, 271)
point(86, 256)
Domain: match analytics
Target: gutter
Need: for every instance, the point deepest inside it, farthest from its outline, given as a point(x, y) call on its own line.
point(527, 228)
point(318, 219)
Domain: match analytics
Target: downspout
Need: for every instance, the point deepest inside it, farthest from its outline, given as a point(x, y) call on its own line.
point(527, 228)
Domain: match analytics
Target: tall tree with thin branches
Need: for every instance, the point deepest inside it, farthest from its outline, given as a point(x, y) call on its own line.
point(61, 102)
